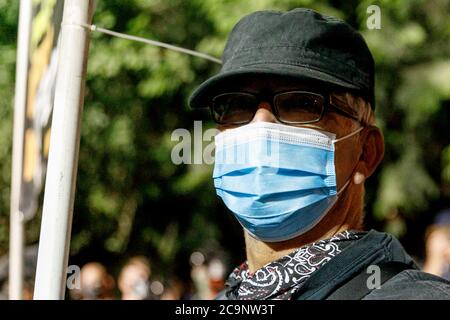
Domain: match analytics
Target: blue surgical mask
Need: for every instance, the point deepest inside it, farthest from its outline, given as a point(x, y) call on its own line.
point(278, 180)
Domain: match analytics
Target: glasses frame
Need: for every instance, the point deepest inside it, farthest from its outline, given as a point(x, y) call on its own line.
point(329, 103)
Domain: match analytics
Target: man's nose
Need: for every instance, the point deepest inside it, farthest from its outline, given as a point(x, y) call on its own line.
point(264, 113)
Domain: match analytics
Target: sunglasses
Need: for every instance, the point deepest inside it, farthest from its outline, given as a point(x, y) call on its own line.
point(292, 107)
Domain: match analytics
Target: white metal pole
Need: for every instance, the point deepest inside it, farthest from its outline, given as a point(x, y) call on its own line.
point(60, 183)
point(16, 232)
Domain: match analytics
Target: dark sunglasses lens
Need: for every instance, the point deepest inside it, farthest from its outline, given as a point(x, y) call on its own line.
point(229, 108)
point(298, 107)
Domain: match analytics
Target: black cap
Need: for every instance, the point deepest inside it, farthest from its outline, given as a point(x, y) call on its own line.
point(300, 43)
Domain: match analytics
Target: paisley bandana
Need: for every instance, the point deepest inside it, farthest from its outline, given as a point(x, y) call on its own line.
point(278, 280)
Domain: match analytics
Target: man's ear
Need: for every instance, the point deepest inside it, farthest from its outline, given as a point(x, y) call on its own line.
point(372, 151)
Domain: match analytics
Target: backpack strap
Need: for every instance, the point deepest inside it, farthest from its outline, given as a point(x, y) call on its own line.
point(357, 287)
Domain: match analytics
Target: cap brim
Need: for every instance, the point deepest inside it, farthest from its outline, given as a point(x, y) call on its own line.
point(204, 92)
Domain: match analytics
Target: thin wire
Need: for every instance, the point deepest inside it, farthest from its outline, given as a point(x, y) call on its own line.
point(93, 27)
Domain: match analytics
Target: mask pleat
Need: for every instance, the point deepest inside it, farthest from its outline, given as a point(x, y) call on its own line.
point(278, 180)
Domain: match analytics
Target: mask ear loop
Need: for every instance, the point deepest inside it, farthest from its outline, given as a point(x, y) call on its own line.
point(349, 135)
point(345, 186)
point(353, 171)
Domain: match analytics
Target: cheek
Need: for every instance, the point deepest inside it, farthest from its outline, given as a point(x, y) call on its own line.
point(346, 151)
point(346, 159)
point(447, 253)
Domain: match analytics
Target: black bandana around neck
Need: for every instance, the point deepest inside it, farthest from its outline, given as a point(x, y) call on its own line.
point(279, 279)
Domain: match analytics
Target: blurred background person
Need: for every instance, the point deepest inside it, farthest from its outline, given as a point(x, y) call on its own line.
point(216, 275)
point(27, 293)
point(208, 276)
point(96, 282)
point(175, 289)
point(30, 261)
point(134, 281)
point(437, 246)
point(199, 276)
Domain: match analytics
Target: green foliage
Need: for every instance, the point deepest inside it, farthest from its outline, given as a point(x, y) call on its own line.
point(446, 164)
point(412, 54)
point(8, 26)
point(132, 199)
point(405, 194)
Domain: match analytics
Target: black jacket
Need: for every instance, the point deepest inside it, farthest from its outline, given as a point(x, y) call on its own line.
point(375, 248)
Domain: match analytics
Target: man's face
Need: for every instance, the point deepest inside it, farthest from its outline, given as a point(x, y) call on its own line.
point(131, 275)
point(347, 152)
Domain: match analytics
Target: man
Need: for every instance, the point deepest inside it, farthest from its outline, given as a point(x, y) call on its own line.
point(134, 280)
point(437, 246)
point(96, 283)
point(294, 101)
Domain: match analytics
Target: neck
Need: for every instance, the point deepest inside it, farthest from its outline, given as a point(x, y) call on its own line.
point(345, 215)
